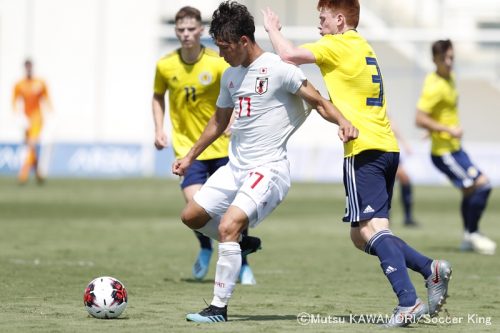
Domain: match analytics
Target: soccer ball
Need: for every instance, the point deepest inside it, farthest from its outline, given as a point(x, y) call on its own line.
point(105, 298)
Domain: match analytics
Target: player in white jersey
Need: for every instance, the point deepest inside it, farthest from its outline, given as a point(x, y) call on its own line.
point(266, 112)
point(265, 94)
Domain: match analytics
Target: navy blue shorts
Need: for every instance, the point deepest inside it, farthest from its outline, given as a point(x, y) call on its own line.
point(458, 167)
point(199, 171)
point(368, 182)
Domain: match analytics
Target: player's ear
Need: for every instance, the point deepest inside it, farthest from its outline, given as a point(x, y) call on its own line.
point(244, 40)
point(435, 60)
point(341, 19)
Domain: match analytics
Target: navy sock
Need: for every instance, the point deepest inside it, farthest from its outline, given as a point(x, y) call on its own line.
point(464, 207)
point(392, 261)
point(205, 242)
point(407, 200)
point(477, 202)
point(244, 260)
point(414, 259)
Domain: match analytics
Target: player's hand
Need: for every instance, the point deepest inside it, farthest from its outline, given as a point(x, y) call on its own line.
point(161, 140)
point(271, 20)
point(456, 132)
point(179, 167)
point(347, 131)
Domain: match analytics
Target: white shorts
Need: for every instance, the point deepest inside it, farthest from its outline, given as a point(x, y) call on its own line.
point(256, 191)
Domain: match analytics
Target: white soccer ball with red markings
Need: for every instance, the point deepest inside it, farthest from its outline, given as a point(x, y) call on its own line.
point(105, 298)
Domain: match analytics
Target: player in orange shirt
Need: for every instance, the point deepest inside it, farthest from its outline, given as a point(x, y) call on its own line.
point(32, 92)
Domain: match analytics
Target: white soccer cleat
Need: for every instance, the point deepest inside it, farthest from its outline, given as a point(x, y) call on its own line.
point(466, 244)
point(482, 244)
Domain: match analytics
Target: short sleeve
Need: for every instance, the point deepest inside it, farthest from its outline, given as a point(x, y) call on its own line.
point(429, 98)
point(293, 78)
point(324, 50)
point(224, 100)
point(160, 84)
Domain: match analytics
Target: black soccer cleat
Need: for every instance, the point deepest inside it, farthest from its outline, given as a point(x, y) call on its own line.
point(249, 245)
point(212, 314)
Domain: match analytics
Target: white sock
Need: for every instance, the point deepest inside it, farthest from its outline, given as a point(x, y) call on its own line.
point(226, 273)
point(211, 229)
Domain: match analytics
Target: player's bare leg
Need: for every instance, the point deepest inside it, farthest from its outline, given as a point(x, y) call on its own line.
point(228, 266)
point(29, 162)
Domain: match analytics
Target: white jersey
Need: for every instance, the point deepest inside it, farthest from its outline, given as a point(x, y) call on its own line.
point(267, 111)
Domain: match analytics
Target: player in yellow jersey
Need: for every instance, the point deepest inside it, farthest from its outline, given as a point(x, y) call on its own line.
point(438, 113)
point(354, 81)
point(33, 94)
point(192, 74)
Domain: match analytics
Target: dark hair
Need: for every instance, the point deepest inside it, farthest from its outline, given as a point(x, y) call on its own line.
point(350, 9)
point(231, 21)
point(188, 12)
point(28, 62)
point(440, 47)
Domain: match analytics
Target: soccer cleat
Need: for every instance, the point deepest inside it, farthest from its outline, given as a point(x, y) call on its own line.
point(249, 244)
point(246, 275)
point(410, 223)
point(482, 244)
point(202, 263)
point(437, 285)
point(212, 314)
point(404, 316)
point(466, 244)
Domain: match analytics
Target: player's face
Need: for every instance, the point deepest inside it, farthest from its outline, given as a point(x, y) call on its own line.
point(328, 22)
point(444, 63)
point(232, 52)
point(188, 30)
point(28, 69)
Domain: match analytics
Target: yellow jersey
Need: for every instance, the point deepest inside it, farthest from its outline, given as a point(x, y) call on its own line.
point(439, 99)
point(354, 81)
point(193, 91)
point(31, 91)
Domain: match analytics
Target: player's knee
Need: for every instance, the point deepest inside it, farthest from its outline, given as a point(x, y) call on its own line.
point(481, 181)
point(191, 219)
point(187, 218)
point(229, 231)
point(357, 240)
point(358, 243)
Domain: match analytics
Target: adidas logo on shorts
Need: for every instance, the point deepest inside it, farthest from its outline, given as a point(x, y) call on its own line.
point(368, 209)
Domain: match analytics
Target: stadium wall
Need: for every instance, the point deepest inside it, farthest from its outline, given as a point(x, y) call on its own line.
point(308, 163)
point(98, 58)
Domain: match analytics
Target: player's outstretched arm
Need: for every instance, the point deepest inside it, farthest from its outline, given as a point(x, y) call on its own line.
point(283, 47)
point(425, 121)
point(328, 111)
point(215, 128)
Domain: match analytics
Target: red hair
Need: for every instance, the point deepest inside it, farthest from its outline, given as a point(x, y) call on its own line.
point(350, 9)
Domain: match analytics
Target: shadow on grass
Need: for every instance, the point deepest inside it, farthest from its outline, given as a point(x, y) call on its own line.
point(261, 317)
point(191, 280)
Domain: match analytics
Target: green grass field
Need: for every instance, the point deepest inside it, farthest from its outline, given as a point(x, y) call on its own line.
point(54, 239)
